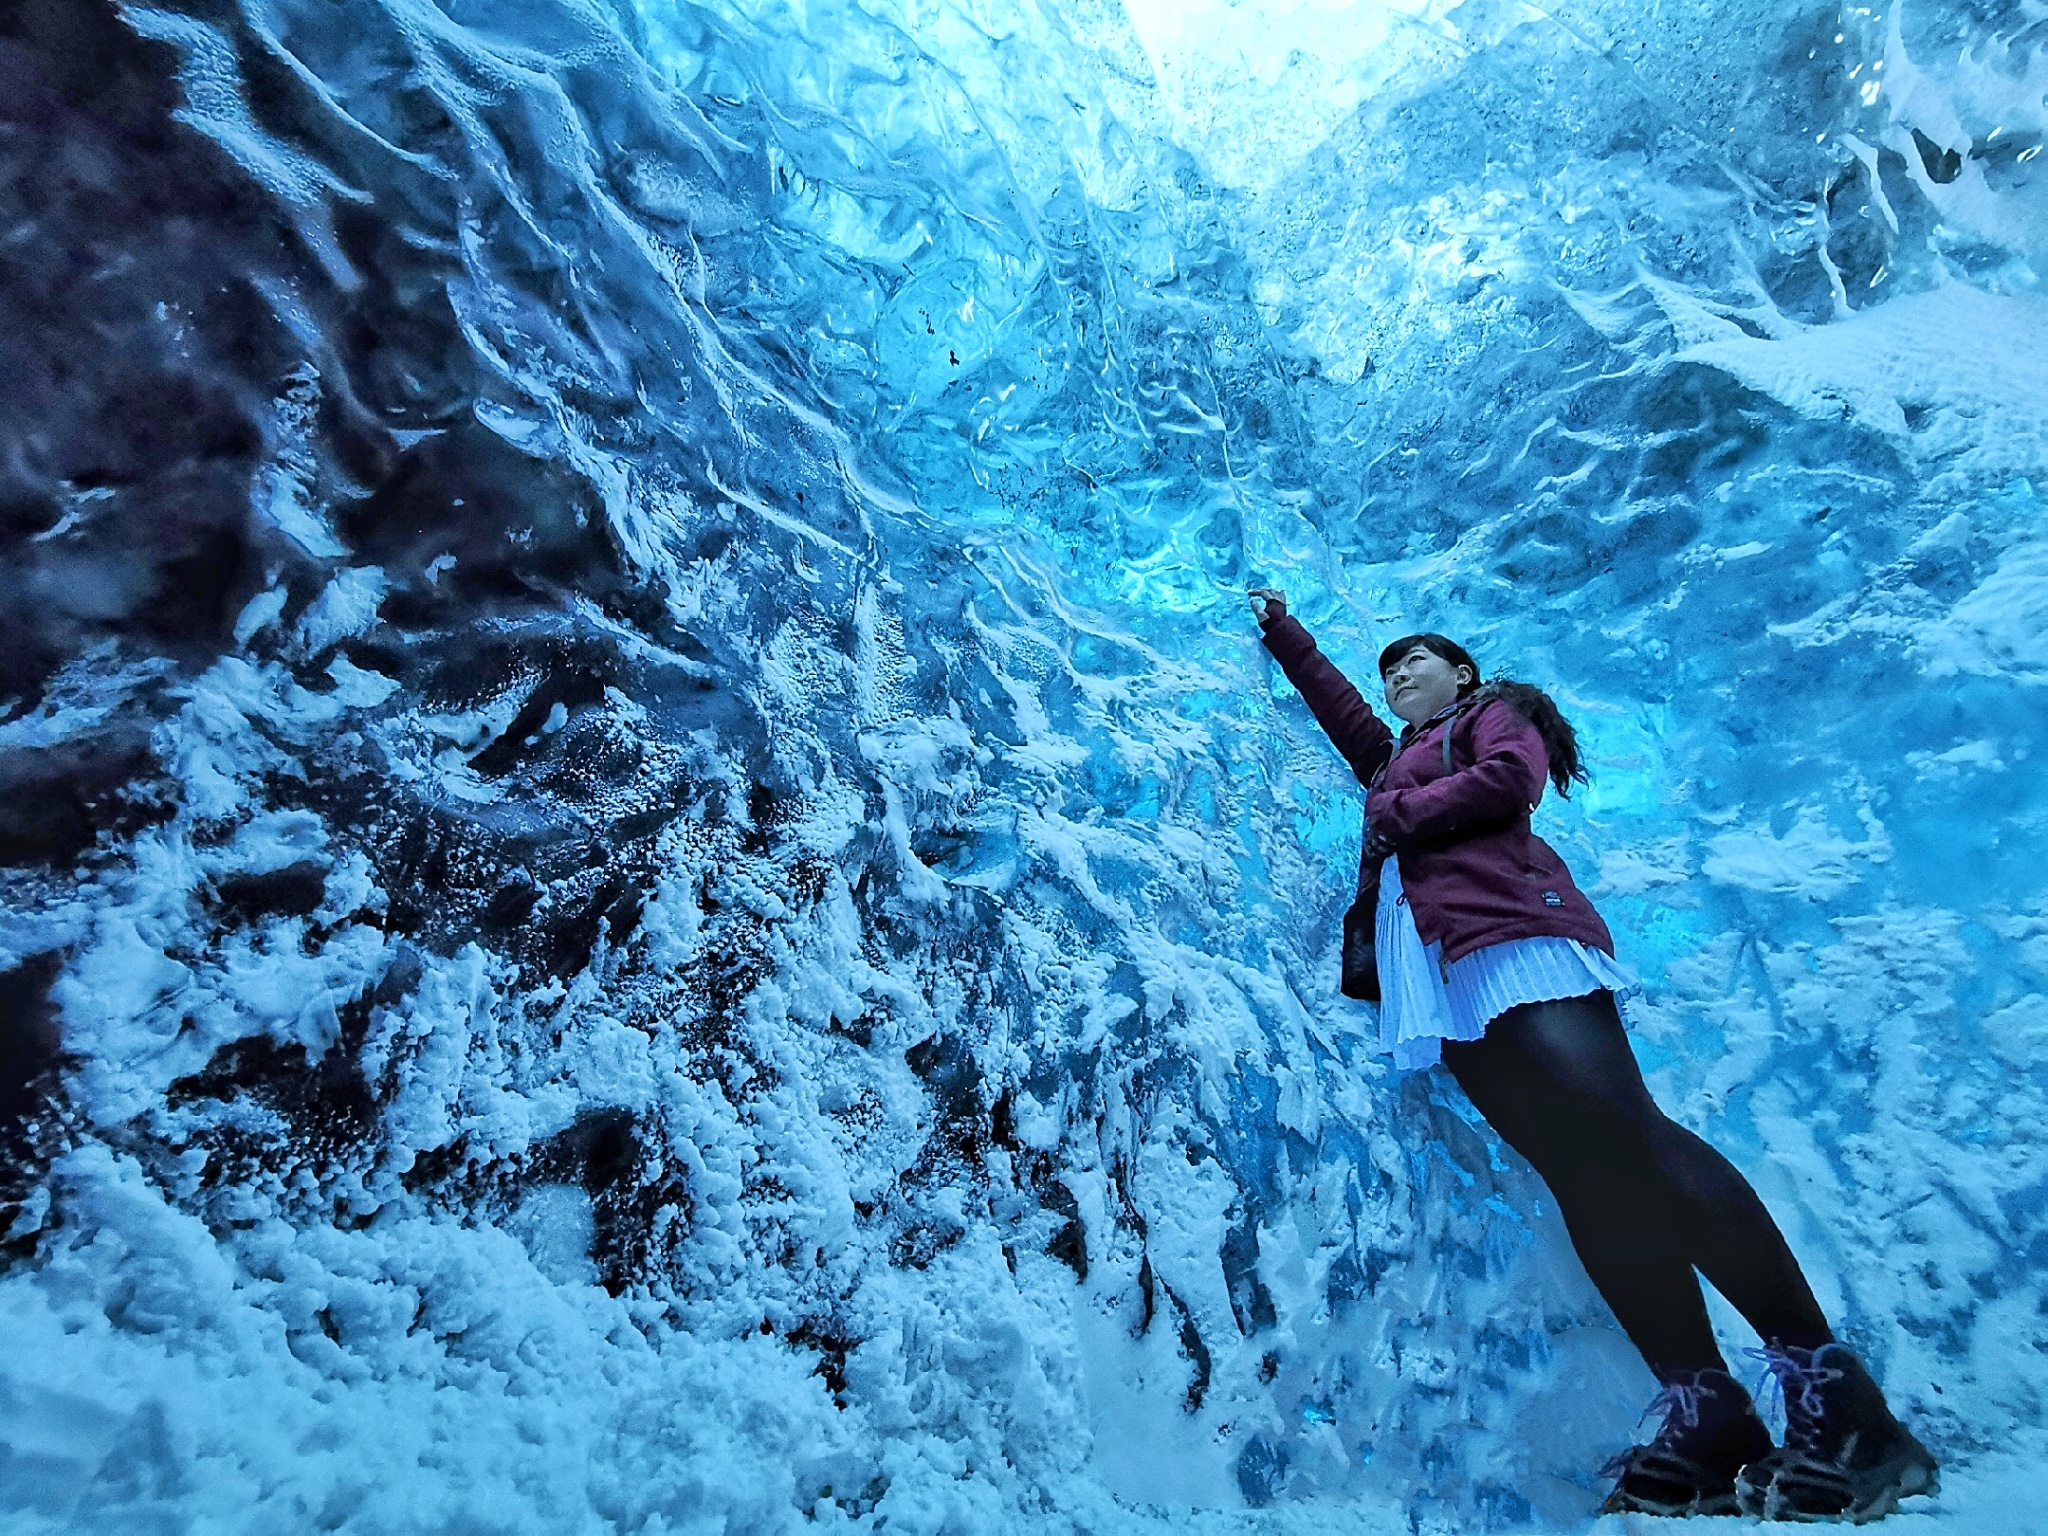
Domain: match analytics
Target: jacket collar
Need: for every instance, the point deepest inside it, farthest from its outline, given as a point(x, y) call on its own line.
point(1413, 733)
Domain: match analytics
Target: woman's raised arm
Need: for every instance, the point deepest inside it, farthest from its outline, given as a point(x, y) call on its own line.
point(1338, 706)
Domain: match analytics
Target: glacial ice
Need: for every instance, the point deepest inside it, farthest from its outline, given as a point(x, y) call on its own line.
point(653, 881)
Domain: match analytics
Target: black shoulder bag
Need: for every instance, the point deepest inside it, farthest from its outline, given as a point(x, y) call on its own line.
point(1360, 975)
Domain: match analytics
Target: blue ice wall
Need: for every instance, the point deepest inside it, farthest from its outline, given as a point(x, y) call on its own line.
point(653, 880)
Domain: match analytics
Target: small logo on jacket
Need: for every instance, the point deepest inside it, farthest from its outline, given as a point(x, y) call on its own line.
point(1552, 899)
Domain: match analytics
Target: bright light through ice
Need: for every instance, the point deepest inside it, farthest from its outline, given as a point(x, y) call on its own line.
point(1253, 86)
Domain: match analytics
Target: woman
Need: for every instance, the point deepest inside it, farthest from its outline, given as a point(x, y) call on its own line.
point(1487, 953)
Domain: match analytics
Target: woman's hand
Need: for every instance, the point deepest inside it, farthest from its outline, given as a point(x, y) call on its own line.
point(1269, 604)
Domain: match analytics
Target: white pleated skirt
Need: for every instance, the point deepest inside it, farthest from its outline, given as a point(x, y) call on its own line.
point(1423, 1002)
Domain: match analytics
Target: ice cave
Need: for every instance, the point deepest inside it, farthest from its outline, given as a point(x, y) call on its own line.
point(654, 879)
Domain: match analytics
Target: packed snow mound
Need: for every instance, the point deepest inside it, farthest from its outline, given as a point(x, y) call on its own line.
point(653, 880)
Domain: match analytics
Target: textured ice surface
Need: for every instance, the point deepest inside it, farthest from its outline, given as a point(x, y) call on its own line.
point(653, 882)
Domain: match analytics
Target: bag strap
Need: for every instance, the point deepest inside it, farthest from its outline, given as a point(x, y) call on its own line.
point(1471, 704)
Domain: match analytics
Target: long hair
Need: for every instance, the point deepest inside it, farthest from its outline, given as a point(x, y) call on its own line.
point(1560, 741)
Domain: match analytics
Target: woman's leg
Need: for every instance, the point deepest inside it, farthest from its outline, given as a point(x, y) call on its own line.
point(1623, 1223)
point(1639, 1187)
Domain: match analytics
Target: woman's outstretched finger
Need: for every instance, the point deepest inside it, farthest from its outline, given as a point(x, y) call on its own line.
point(1268, 604)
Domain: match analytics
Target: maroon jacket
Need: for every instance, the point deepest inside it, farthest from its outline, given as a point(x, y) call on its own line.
point(1473, 871)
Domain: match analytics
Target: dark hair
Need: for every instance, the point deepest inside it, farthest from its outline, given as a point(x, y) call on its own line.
point(1560, 741)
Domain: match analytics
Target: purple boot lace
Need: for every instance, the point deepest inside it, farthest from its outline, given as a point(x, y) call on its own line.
point(1796, 1383)
point(1679, 1402)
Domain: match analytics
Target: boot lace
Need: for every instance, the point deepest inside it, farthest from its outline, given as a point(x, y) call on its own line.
point(1679, 1402)
point(1796, 1384)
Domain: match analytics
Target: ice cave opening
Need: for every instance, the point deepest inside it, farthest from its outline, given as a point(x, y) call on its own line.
point(654, 879)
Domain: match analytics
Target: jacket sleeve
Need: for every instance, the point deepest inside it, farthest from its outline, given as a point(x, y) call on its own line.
point(1503, 783)
point(1340, 709)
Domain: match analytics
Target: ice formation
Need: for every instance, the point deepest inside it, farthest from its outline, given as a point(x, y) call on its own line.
point(653, 881)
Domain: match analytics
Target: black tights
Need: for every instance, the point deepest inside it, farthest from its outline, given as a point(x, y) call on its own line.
point(1645, 1200)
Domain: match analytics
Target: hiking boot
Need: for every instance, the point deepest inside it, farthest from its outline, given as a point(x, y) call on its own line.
point(1845, 1456)
point(1710, 1432)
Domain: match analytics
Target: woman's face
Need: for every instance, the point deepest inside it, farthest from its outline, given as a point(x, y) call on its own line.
point(1421, 683)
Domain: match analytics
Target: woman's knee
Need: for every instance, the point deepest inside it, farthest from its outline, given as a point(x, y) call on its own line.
point(1696, 1167)
point(1603, 1138)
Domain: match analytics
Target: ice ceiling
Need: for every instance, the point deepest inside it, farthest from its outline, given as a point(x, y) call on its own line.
point(653, 881)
